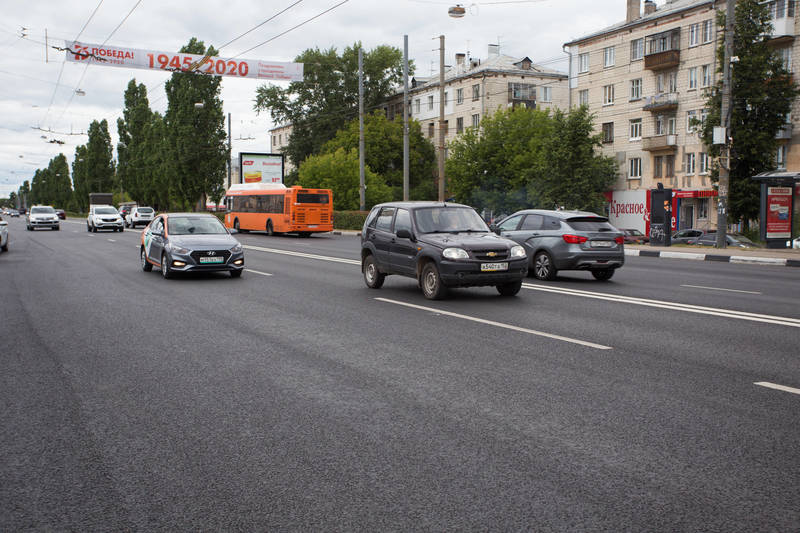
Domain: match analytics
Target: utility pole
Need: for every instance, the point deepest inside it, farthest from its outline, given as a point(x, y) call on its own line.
point(405, 118)
point(725, 123)
point(362, 186)
point(229, 150)
point(441, 118)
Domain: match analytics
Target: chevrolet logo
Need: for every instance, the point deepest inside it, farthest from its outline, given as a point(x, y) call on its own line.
point(492, 254)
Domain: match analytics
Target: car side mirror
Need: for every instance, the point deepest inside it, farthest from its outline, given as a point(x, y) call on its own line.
point(404, 234)
point(494, 228)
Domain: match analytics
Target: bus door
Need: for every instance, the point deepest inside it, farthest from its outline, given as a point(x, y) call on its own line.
point(313, 209)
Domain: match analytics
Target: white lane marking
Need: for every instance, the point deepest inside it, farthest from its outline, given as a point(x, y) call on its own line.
point(719, 289)
point(301, 254)
point(112, 240)
point(498, 324)
point(726, 313)
point(775, 386)
point(257, 272)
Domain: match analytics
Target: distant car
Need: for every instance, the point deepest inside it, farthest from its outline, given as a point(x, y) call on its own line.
point(190, 242)
point(103, 217)
point(124, 210)
point(13, 212)
point(634, 236)
point(3, 235)
point(139, 216)
point(566, 240)
point(733, 240)
point(42, 216)
point(685, 235)
point(61, 214)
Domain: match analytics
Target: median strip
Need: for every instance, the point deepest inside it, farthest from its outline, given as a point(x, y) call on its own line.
point(301, 254)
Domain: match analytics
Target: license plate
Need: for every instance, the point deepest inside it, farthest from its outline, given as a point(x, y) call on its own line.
point(602, 244)
point(212, 259)
point(493, 267)
point(312, 226)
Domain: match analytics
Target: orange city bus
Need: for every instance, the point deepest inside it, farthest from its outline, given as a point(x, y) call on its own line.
point(275, 208)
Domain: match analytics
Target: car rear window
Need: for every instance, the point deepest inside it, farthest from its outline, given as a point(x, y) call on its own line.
point(310, 198)
point(145, 210)
point(590, 224)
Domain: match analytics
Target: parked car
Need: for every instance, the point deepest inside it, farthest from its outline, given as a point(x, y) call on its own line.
point(13, 212)
point(103, 217)
point(190, 242)
point(61, 214)
point(634, 236)
point(3, 235)
point(796, 244)
point(685, 235)
point(139, 216)
point(732, 239)
point(441, 245)
point(566, 240)
point(42, 216)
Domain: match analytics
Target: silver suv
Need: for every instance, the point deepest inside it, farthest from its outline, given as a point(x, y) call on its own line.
point(42, 216)
point(566, 240)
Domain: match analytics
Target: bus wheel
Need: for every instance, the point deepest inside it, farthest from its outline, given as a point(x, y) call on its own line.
point(270, 231)
point(236, 224)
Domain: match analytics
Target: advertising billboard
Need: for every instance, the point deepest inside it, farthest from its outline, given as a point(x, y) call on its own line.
point(261, 168)
point(779, 212)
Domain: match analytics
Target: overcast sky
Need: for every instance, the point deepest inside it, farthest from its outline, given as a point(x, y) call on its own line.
point(35, 93)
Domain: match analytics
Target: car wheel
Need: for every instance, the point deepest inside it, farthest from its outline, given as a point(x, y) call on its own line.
point(270, 230)
point(372, 276)
point(236, 273)
point(56, 228)
point(146, 266)
point(165, 271)
point(543, 267)
point(509, 289)
point(94, 229)
point(603, 275)
point(29, 228)
point(432, 286)
point(4, 247)
point(88, 227)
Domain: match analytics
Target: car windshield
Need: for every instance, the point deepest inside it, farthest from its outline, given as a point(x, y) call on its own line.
point(590, 224)
point(195, 226)
point(145, 210)
point(105, 211)
point(41, 210)
point(449, 220)
point(635, 232)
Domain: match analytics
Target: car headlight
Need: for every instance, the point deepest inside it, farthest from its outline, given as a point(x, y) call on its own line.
point(236, 249)
point(455, 253)
point(178, 250)
point(518, 251)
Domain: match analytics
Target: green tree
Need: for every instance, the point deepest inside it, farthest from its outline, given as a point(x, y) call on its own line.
point(80, 179)
point(763, 92)
point(327, 98)
point(131, 154)
point(199, 153)
point(383, 153)
point(156, 165)
point(12, 199)
point(23, 192)
point(339, 171)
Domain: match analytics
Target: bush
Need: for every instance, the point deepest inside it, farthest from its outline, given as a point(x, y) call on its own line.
point(352, 220)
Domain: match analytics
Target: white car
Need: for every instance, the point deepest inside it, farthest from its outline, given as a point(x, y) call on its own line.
point(3, 235)
point(796, 244)
point(139, 216)
point(42, 216)
point(104, 217)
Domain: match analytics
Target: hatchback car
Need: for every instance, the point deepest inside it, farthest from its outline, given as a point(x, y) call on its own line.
point(190, 242)
point(566, 240)
point(61, 214)
point(634, 236)
point(440, 245)
point(139, 216)
point(42, 216)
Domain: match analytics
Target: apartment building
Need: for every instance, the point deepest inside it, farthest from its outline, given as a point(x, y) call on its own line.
point(475, 88)
point(645, 79)
point(279, 139)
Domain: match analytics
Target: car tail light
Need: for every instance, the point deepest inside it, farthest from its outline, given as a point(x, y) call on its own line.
point(619, 240)
point(574, 239)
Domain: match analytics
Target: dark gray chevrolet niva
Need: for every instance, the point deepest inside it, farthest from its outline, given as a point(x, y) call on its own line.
point(441, 245)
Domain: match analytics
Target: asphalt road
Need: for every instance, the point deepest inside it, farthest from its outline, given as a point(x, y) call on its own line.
point(295, 398)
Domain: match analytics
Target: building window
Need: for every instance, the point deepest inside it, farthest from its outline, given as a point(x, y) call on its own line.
point(521, 91)
point(703, 117)
point(274, 141)
point(635, 165)
point(583, 97)
point(704, 163)
point(459, 124)
point(706, 75)
point(636, 129)
point(636, 89)
point(608, 56)
point(583, 60)
point(660, 125)
point(476, 120)
point(430, 130)
point(416, 106)
point(780, 157)
point(608, 132)
point(547, 94)
point(786, 58)
point(693, 78)
point(669, 166)
point(430, 102)
point(672, 82)
point(691, 116)
point(459, 96)
point(708, 31)
point(663, 42)
point(671, 126)
point(608, 94)
point(476, 92)
point(694, 34)
point(637, 49)
point(658, 161)
point(702, 207)
point(690, 164)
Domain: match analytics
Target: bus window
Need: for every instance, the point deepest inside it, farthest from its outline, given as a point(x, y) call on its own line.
point(309, 198)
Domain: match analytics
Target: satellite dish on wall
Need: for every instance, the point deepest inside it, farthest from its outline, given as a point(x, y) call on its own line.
point(457, 11)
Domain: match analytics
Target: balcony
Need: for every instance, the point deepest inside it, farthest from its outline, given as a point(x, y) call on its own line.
point(785, 132)
point(662, 60)
point(660, 143)
point(661, 102)
point(782, 30)
point(663, 50)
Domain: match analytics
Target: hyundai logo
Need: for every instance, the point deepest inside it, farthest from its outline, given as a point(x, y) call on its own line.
point(212, 253)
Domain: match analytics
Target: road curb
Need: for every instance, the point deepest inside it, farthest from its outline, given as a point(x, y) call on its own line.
point(771, 261)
